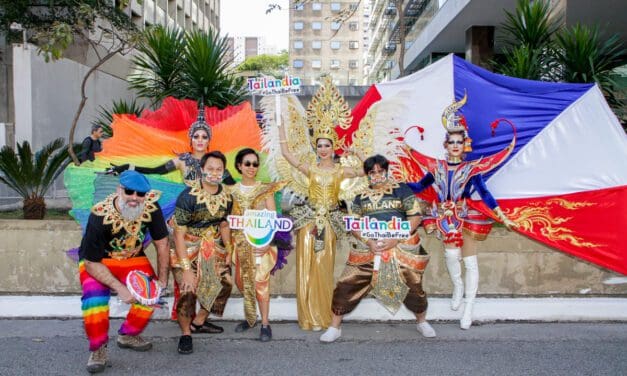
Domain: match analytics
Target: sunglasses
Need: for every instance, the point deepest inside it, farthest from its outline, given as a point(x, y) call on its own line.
point(130, 192)
point(455, 142)
point(249, 163)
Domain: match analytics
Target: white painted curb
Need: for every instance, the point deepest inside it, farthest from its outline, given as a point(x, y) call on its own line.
point(284, 309)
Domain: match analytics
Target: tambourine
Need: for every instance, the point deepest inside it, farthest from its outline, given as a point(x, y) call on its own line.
point(143, 287)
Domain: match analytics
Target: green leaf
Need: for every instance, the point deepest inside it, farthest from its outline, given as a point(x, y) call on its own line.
point(31, 175)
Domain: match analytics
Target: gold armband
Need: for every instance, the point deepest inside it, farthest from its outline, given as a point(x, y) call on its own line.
point(185, 263)
point(228, 247)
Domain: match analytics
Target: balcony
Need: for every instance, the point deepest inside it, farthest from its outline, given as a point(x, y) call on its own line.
point(390, 10)
point(390, 48)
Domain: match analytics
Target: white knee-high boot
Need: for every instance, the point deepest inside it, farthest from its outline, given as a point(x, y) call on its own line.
point(453, 257)
point(472, 285)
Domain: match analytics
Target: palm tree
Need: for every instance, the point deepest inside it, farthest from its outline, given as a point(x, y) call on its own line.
point(159, 63)
point(585, 57)
point(31, 175)
point(521, 62)
point(186, 66)
point(105, 115)
point(528, 41)
point(206, 73)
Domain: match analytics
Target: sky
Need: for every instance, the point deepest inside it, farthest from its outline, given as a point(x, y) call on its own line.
point(248, 18)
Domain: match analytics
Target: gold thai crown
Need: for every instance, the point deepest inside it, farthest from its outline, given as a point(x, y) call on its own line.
point(451, 120)
point(455, 122)
point(327, 110)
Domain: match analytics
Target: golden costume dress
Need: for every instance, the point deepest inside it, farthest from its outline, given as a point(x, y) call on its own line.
point(318, 222)
point(252, 279)
point(317, 226)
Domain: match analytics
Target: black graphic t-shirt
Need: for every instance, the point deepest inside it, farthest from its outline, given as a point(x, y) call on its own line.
point(397, 200)
point(109, 236)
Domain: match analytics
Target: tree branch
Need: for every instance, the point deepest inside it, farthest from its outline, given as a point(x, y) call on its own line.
point(81, 105)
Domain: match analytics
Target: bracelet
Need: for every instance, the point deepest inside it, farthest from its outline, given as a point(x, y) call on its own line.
point(185, 263)
point(228, 248)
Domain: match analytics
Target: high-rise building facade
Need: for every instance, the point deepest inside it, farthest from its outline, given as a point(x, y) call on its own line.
point(241, 48)
point(470, 28)
point(327, 37)
point(186, 14)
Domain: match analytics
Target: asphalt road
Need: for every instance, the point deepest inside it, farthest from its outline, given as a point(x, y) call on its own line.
point(58, 347)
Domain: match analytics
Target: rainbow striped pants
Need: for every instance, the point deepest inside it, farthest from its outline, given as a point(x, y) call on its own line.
point(95, 301)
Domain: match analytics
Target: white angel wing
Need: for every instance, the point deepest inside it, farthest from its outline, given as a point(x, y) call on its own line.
point(292, 115)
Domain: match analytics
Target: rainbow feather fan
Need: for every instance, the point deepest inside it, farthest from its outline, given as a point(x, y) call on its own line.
point(151, 140)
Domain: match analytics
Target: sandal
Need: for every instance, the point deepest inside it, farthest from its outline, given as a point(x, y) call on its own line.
point(206, 327)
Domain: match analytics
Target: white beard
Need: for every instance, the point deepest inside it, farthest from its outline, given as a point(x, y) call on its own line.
point(130, 213)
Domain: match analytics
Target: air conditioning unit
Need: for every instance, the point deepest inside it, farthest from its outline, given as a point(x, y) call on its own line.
point(390, 10)
point(389, 48)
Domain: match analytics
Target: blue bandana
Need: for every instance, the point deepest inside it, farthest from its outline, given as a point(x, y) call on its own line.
point(134, 180)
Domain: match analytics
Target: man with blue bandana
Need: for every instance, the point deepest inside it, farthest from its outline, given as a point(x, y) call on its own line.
point(113, 246)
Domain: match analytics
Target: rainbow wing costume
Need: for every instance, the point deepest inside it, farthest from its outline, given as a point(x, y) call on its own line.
point(153, 139)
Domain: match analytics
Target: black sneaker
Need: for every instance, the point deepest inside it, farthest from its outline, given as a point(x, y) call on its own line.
point(242, 327)
point(265, 335)
point(185, 345)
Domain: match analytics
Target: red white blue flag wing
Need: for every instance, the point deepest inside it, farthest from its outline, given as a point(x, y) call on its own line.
point(565, 182)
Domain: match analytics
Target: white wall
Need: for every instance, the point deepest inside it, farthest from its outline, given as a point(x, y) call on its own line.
point(48, 94)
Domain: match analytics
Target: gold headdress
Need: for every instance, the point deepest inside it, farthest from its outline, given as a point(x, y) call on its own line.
point(327, 110)
point(200, 124)
point(326, 113)
point(454, 122)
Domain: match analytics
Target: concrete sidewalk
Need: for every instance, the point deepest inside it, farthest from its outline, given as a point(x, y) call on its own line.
point(284, 309)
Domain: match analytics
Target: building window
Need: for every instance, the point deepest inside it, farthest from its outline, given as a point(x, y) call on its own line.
point(353, 26)
point(353, 6)
point(298, 25)
point(335, 44)
point(335, 64)
point(336, 7)
point(316, 64)
point(298, 63)
point(353, 45)
point(316, 6)
point(352, 82)
point(316, 44)
point(299, 7)
point(352, 64)
point(316, 25)
point(336, 25)
point(298, 44)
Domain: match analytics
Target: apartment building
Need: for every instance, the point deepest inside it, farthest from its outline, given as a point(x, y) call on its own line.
point(241, 48)
point(469, 28)
point(328, 37)
point(186, 14)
